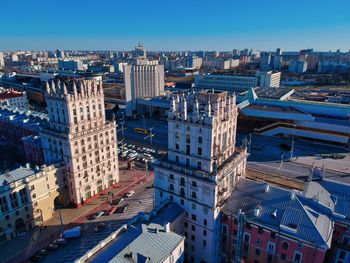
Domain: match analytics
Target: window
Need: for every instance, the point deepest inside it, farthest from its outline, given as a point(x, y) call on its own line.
point(171, 198)
point(199, 165)
point(297, 257)
point(258, 242)
point(182, 181)
point(193, 228)
point(177, 135)
point(193, 238)
point(271, 248)
point(171, 176)
point(260, 230)
point(283, 256)
point(193, 206)
point(185, 224)
point(176, 145)
point(246, 238)
point(199, 152)
point(188, 149)
point(205, 222)
point(182, 201)
point(194, 184)
point(224, 229)
point(273, 235)
point(204, 243)
point(200, 140)
point(171, 187)
point(204, 232)
point(188, 138)
point(194, 217)
point(285, 245)
point(257, 252)
point(177, 159)
point(194, 195)
point(187, 162)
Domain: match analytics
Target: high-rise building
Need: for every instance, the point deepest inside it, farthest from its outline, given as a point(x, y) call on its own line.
point(60, 53)
point(142, 81)
point(277, 60)
point(140, 51)
point(2, 60)
point(202, 166)
point(70, 64)
point(78, 134)
point(265, 61)
point(269, 79)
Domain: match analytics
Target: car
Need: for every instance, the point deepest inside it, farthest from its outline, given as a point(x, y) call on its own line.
point(130, 193)
point(99, 214)
point(99, 227)
point(118, 201)
point(60, 241)
point(42, 252)
point(112, 210)
point(124, 208)
point(52, 247)
point(35, 258)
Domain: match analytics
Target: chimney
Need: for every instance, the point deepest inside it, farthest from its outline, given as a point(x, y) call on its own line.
point(267, 188)
point(257, 210)
point(167, 227)
point(292, 195)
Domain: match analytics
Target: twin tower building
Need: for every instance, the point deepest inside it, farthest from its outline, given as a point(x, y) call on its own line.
point(79, 135)
point(199, 173)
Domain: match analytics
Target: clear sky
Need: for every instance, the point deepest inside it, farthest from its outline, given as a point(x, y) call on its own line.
point(174, 25)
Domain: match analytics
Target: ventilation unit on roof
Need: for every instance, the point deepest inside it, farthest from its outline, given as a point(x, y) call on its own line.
point(274, 213)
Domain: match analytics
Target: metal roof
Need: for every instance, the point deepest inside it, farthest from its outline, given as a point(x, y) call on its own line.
point(15, 175)
point(294, 216)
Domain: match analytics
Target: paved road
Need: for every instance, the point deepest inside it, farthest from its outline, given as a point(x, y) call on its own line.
point(142, 201)
point(19, 249)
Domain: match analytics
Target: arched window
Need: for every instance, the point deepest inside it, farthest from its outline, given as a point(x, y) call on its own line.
point(285, 245)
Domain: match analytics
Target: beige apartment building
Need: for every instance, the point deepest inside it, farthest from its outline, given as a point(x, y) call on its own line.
point(28, 197)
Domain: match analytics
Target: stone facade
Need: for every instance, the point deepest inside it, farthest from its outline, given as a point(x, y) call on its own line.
point(28, 196)
point(79, 135)
point(202, 167)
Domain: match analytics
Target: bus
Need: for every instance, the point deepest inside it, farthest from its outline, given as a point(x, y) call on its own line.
point(142, 130)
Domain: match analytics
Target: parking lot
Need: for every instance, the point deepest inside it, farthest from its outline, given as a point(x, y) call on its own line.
point(141, 201)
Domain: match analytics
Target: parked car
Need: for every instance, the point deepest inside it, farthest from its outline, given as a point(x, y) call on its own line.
point(125, 208)
point(130, 193)
point(99, 227)
point(72, 233)
point(118, 201)
point(112, 210)
point(52, 247)
point(99, 214)
point(60, 241)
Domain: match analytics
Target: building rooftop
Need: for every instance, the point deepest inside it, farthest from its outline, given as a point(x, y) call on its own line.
point(9, 94)
point(27, 119)
point(154, 243)
point(142, 237)
point(289, 212)
point(15, 175)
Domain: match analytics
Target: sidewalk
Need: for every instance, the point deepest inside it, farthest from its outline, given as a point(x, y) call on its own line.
point(20, 248)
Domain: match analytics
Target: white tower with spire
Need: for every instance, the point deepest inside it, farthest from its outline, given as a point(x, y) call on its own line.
point(79, 135)
point(202, 166)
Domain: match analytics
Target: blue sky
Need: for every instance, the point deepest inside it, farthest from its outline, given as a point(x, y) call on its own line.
point(174, 25)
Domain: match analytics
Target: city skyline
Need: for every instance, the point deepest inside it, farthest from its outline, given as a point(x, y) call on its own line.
point(163, 26)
